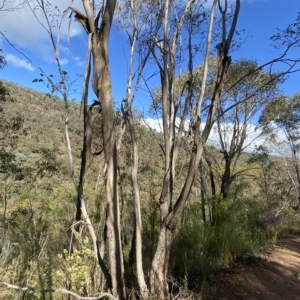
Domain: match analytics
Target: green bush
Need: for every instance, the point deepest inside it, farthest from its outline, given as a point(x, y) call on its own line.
point(200, 247)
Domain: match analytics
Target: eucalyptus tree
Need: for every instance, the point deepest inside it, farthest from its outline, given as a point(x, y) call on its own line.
point(236, 113)
point(133, 18)
point(167, 48)
point(51, 18)
point(280, 123)
point(200, 105)
point(275, 194)
point(98, 36)
point(288, 37)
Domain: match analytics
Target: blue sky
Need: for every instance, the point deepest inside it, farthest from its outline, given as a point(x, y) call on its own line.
point(259, 18)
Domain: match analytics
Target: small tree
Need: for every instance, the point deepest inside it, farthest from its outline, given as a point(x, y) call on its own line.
point(280, 123)
point(236, 112)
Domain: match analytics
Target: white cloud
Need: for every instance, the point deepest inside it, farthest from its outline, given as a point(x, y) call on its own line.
point(64, 49)
point(63, 61)
point(208, 3)
point(79, 61)
point(24, 31)
point(254, 137)
point(18, 62)
point(158, 125)
point(153, 123)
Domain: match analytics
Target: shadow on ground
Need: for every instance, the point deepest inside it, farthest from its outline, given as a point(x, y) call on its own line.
point(265, 277)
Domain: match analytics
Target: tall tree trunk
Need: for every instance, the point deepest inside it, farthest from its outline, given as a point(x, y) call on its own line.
point(138, 218)
point(296, 166)
point(226, 177)
point(128, 116)
point(101, 84)
point(212, 202)
point(203, 187)
point(110, 153)
point(160, 262)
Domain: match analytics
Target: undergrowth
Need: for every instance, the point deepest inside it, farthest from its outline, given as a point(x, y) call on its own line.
point(201, 247)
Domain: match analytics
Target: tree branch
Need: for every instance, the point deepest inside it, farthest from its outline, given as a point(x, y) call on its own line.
point(62, 291)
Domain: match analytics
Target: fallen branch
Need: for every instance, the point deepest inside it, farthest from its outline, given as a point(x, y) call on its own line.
point(63, 291)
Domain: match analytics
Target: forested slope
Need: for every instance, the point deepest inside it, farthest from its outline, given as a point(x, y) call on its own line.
point(38, 201)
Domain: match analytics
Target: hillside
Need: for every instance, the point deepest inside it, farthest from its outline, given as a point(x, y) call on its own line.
point(38, 198)
point(43, 125)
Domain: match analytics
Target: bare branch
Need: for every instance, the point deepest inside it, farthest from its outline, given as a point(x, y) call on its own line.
point(205, 66)
point(271, 62)
point(5, 5)
point(256, 91)
point(62, 291)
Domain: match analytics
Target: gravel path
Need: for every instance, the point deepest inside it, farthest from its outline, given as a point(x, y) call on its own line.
point(272, 276)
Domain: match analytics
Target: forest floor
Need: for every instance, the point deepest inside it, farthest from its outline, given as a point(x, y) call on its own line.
point(274, 275)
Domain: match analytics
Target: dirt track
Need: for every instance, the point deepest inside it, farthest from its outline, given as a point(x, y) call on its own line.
point(272, 276)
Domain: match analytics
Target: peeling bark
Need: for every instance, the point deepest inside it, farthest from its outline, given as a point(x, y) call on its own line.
point(101, 84)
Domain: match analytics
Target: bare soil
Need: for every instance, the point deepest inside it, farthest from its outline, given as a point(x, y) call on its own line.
point(274, 275)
